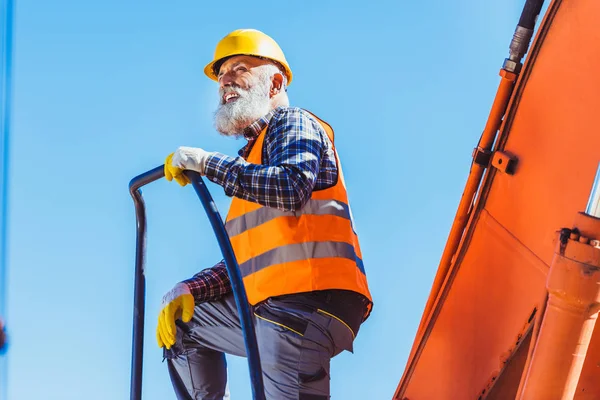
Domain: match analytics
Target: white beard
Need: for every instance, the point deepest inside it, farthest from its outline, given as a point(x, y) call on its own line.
point(232, 118)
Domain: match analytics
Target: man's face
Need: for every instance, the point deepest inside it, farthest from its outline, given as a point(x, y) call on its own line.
point(239, 71)
point(244, 94)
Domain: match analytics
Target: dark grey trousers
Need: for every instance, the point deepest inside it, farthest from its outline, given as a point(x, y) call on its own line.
point(295, 343)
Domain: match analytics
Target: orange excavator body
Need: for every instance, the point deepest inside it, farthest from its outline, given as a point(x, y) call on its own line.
point(511, 314)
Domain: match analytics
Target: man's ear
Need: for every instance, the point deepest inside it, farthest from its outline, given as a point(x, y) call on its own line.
point(276, 84)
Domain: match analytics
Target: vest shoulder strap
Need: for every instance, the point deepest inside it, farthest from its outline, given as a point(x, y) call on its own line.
point(325, 125)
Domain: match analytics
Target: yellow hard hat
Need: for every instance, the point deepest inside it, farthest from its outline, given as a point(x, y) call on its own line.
point(250, 42)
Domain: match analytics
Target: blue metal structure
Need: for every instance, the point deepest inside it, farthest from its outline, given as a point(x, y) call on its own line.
point(235, 276)
point(593, 206)
point(6, 26)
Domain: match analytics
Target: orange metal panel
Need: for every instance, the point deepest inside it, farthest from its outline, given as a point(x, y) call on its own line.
point(492, 298)
point(504, 387)
point(490, 290)
point(555, 132)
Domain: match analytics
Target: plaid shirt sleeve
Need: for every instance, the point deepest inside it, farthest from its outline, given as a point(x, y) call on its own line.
point(294, 145)
point(210, 284)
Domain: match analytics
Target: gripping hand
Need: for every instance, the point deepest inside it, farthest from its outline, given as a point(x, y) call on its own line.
point(173, 172)
point(191, 158)
point(177, 303)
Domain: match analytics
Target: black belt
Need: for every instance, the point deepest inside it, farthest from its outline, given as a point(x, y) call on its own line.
point(351, 307)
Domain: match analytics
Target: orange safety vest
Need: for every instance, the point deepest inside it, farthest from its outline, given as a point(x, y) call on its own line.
point(284, 252)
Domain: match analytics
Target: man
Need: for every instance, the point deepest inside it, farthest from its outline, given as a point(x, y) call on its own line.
point(291, 230)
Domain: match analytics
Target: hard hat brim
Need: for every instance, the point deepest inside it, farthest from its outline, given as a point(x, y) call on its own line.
point(209, 69)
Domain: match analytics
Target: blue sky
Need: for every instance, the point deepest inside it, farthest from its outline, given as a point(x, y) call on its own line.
point(104, 90)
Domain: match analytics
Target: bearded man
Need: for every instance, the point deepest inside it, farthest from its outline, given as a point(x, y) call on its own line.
point(291, 230)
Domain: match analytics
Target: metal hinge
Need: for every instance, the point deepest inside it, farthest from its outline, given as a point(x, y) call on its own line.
point(504, 162)
point(500, 160)
point(481, 157)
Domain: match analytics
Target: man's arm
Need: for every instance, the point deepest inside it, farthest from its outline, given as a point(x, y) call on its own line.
point(210, 284)
point(294, 148)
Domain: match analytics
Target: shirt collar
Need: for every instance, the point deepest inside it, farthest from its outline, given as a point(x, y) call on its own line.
point(254, 129)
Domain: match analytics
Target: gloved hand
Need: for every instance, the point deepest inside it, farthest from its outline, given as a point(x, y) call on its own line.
point(172, 172)
point(177, 303)
point(191, 158)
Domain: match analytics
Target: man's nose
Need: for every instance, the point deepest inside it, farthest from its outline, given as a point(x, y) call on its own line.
point(225, 80)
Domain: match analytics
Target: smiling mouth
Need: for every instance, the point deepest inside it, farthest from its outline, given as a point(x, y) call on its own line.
point(230, 97)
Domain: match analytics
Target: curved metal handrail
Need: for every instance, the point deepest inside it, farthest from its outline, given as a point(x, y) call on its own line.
point(237, 284)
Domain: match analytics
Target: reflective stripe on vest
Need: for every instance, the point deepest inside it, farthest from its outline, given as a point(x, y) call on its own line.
point(301, 251)
point(258, 217)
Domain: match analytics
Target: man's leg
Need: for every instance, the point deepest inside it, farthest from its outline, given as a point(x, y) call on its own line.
point(296, 346)
point(196, 362)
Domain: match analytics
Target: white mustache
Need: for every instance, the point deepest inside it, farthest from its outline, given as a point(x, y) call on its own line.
point(231, 89)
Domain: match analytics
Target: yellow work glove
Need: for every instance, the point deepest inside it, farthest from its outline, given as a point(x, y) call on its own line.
point(172, 172)
point(185, 158)
point(177, 303)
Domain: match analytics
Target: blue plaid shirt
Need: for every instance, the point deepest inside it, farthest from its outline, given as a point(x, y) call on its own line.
point(298, 158)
